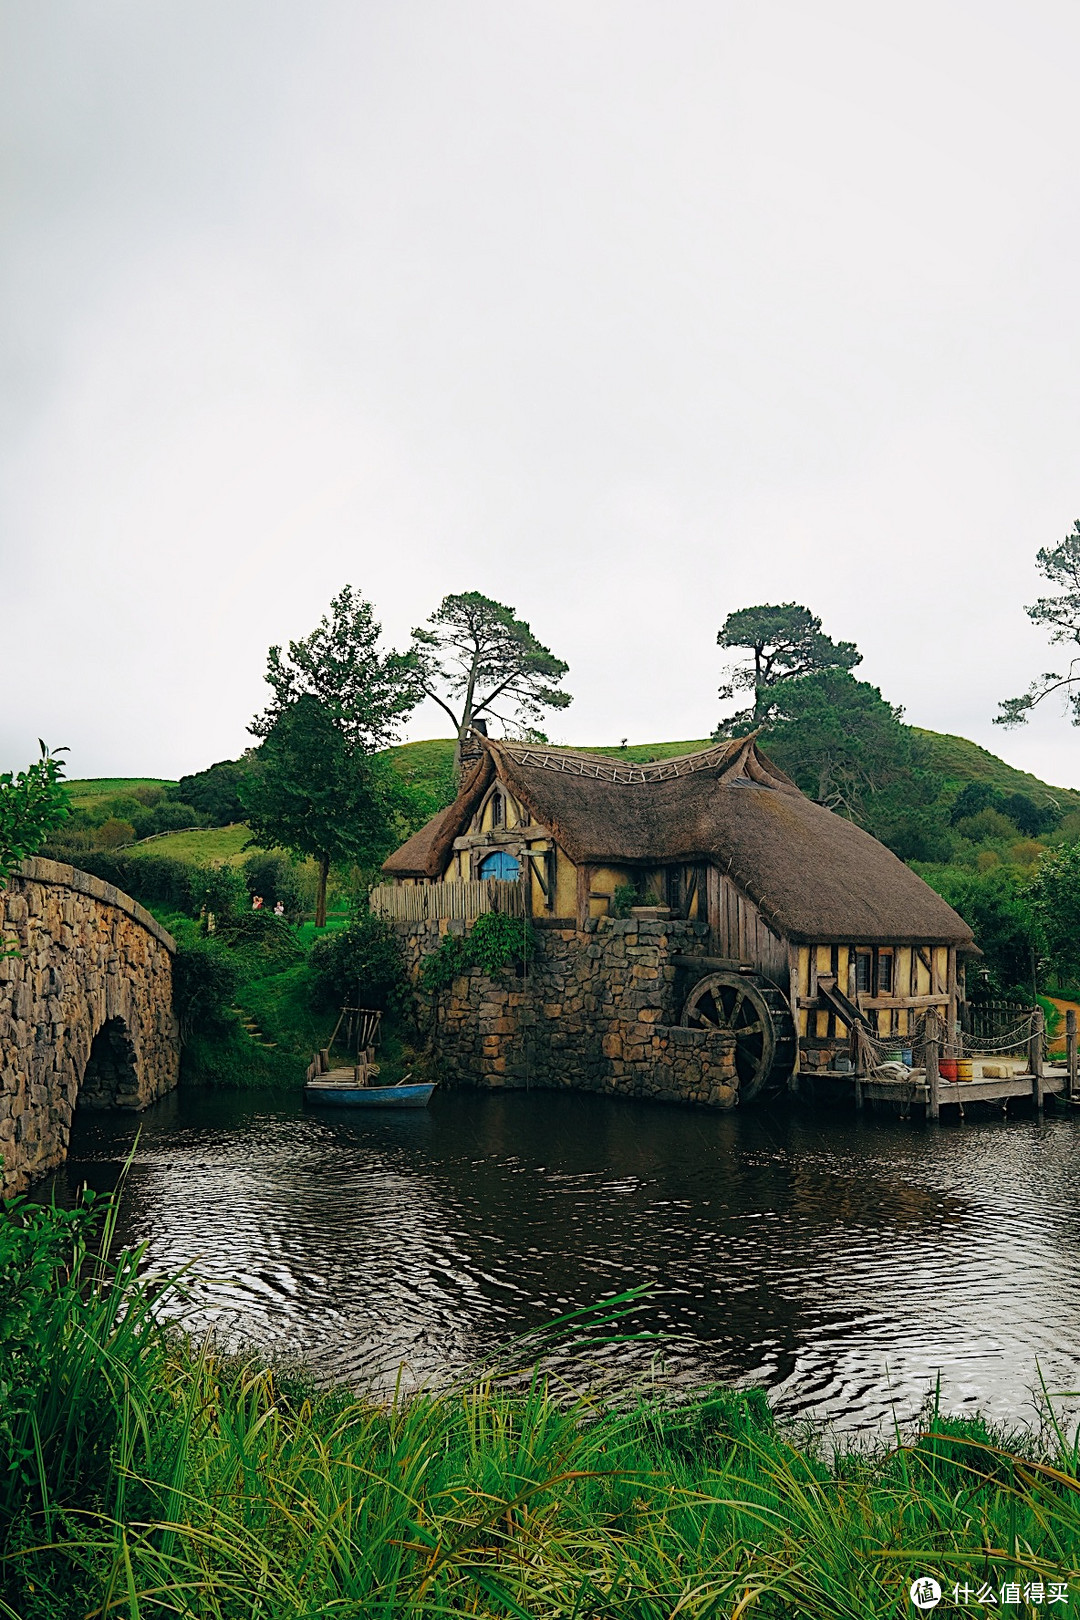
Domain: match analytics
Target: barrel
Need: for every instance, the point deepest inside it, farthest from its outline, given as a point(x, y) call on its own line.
point(964, 1070)
point(947, 1068)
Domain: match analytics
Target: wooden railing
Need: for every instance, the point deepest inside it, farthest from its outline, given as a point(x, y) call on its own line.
point(426, 902)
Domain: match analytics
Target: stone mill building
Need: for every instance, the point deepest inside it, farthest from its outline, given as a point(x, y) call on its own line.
point(761, 926)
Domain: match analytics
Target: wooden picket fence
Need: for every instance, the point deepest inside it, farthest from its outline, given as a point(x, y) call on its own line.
point(427, 902)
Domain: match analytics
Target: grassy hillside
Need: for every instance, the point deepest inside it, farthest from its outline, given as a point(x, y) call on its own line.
point(88, 791)
point(216, 845)
point(960, 761)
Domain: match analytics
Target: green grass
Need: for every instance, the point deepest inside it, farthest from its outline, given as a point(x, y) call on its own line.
point(208, 846)
point(145, 1477)
point(88, 791)
point(960, 761)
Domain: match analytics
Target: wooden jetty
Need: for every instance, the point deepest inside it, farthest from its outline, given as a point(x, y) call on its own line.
point(924, 1091)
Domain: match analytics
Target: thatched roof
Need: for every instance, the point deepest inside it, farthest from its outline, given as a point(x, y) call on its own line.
point(813, 875)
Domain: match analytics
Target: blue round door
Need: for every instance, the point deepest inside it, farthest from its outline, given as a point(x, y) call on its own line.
point(500, 865)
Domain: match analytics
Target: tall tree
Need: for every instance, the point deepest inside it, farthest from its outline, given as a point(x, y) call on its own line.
point(784, 641)
point(364, 691)
point(848, 748)
point(479, 661)
point(309, 793)
point(1059, 565)
point(32, 804)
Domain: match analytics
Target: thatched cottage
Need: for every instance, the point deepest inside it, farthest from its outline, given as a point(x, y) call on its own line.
point(813, 924)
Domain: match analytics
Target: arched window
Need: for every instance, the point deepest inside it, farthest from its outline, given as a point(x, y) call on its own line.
point(500, 865)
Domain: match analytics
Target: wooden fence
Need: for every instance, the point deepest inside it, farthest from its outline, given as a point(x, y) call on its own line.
point(992, 1019)
point(426, 902)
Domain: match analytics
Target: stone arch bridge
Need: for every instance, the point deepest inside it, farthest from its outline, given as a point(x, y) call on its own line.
point(86, 1014)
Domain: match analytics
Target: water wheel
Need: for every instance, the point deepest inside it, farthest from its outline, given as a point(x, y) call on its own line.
point(757, 1013)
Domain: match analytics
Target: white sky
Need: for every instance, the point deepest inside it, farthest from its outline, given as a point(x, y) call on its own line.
point(626, 314)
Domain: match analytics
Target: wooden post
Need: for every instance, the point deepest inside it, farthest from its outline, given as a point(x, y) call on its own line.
point(1038, 1038)
point(1070, 1046)
point(933, 1077)
point(857, 1048)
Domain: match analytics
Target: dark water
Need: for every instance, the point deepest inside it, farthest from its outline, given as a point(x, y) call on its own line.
point(844, 1266)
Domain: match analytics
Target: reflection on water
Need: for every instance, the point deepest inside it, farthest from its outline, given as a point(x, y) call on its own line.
point(842, 1265)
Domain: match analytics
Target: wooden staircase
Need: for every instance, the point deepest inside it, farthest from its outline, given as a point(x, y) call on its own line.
point(253, 1029)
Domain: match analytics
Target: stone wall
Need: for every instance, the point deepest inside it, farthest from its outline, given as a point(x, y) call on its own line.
point(86, 1003)
point(597, 1010)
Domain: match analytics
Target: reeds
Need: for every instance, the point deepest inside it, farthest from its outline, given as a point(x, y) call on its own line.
point(141, 1476)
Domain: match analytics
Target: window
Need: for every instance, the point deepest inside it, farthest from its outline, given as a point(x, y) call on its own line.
point(674, 887)
point(884, 973)
point(863, 970)
point(497, 812)
point(501, 866)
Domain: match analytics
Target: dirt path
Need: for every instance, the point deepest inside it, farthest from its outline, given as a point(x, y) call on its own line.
point(1058, 1043)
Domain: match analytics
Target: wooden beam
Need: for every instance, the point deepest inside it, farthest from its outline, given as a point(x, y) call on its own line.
point(933, 1076)
point(1070, 1050)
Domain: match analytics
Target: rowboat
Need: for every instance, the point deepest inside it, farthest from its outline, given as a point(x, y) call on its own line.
point(338, 1088)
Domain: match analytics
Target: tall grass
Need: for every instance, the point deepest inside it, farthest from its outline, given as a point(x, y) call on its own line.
point(142, 1475)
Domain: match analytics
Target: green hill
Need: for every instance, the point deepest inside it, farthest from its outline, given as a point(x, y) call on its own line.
point(428, 768)
point(960, 761)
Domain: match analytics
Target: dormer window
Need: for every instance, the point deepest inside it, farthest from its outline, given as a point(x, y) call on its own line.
point(498, 811)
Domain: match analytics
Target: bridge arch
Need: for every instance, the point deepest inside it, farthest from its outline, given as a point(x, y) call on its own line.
point(86, 1016)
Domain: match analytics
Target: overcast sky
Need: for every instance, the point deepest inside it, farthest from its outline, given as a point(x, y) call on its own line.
point(625, 314)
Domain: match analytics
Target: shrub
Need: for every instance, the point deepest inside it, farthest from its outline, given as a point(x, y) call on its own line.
point(364, 960)
point(262, 934)
point(213, 792)
point(275, 877)
point(625, 897)
point(148, 796)
point(494, 943)
point(217, 889)
point(206, 978)
point(113, 832)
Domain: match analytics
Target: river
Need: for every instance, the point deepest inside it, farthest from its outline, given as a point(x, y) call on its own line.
point(843, 1265)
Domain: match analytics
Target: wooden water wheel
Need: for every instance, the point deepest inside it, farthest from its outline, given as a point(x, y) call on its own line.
point(757, 1013)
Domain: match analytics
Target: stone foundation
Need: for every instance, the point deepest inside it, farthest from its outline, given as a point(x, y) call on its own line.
point(86, 1003)
point(596, 1011)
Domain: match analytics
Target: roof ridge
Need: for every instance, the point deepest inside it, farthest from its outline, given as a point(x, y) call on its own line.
point(602, 768)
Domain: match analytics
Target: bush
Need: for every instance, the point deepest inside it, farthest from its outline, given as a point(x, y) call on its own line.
point(218, 889)
point(494, 943)
point(275, 877)
point(363, 960)
point(206, 978)
point(262, 934)
point(213, 792)
point(996, 907)
point(112, 833)
point(625, 897)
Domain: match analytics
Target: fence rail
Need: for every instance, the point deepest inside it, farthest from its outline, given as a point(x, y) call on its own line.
point(990, 1020)
point(427, 902)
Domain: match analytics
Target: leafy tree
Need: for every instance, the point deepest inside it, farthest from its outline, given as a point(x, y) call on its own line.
point(365, 959)
point(310, 794)
point(363, 691)
point(479, 661)
point(274, 876)
point(32, 804)
point(997, 908)
point(1054, 895)
point(1060, 614)
point(785, 641)
point(213, 792)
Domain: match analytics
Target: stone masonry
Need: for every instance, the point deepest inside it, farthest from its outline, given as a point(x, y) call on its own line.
point(85, 1011)
point(597, 1010)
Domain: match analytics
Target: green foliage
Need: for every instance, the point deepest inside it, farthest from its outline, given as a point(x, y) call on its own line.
point(997, 907)
point(261, 934)
point(365, 693)
point(625, 898)
point(494, 944)
point(171, 815)
point(847, 748)
point(1019, 809)
point(32, 804)
point(1054, 896)
point(214, 793)
point(309, 794)
point(479, 661)
point(785, 642)
point(145, 1476)
point(363, 960)
point(219, 890)
point(206, 978)
point(113, 833)
point(1060, 615)
point(274, 877)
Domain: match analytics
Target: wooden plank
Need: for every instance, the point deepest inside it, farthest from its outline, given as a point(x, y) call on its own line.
point(1071, 1049)
point(930, 1060)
